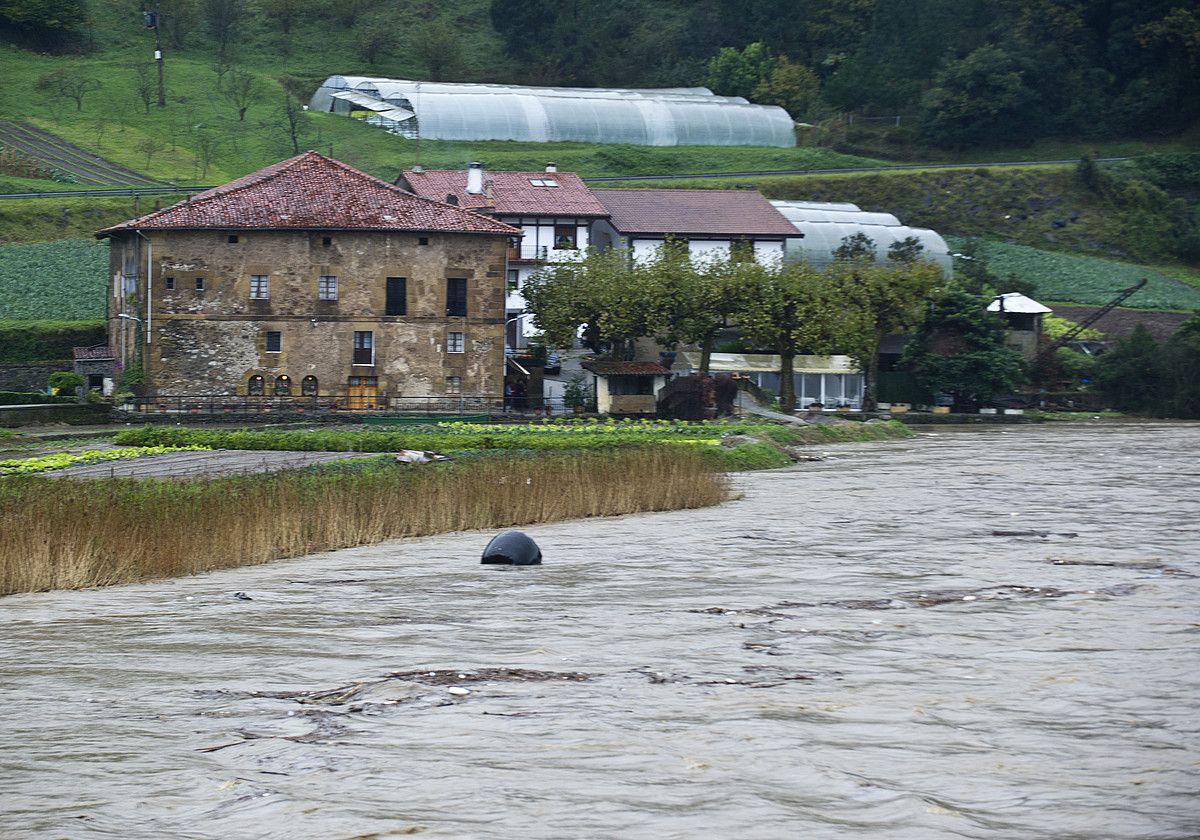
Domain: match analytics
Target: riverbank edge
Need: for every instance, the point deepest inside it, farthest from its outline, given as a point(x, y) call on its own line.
point(89, 533)
point(70, 536)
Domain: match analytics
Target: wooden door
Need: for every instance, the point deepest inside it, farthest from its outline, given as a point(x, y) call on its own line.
point(362, 393)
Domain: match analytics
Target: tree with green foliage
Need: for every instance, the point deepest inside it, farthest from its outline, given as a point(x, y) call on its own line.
point(959, 349)
point(790, 85)
point(882, 300)
point(792, 308)
point(1132, 375)
point(1182, 368)
point(178, 20)
point(981, 98)
point(224, 19)
point(692, 299)
point(49, 24)
point(284, 14)
point(373, 36)
point(601, 295)
point(439, 47)
point(733, 72)
point(906, 250)
point(64, 382)
point(856, 246)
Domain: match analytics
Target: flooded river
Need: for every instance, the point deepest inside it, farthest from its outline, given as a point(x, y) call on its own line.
point(974, 634)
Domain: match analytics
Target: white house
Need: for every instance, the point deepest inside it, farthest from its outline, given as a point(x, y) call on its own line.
point(554, 210)
point(710, 221)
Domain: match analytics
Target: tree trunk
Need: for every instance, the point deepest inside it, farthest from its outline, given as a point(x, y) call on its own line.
point(871, 375)
point(242, 114)
point(706, 348)
point(787, 380)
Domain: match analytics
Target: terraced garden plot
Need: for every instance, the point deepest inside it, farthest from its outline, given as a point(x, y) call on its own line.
point(1087, 280)
point(62, 280)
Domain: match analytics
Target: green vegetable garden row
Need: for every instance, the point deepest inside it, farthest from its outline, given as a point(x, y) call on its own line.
point(757, 444)
point(1086, 280)
point(63, 280)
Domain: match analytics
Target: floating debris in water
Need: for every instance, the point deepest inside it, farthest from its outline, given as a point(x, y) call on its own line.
point(923, 599)
point(1042, 534)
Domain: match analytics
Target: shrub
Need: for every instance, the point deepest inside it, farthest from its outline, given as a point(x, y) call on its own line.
point(64, 381)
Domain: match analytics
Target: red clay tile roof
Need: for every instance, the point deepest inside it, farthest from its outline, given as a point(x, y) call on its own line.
point(702, 212)
point(312, 192)
point(603, 368)
point(512, 192)
point(98, 352)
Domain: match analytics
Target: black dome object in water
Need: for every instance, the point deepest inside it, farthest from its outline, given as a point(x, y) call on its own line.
point(512, 548)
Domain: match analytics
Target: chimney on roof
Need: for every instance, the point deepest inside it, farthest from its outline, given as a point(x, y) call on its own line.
point(551, 167)
point(418, 168)
point(475, 178)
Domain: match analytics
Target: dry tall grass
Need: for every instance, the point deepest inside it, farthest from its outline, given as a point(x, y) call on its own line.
point(65, 534)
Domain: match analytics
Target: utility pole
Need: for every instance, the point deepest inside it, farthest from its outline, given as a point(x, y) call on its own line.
point(153, 20)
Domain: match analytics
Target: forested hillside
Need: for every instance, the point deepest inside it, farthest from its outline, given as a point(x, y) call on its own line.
point(957, 73)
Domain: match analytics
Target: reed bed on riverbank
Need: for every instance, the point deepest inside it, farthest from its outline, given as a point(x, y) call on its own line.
point(77, 534)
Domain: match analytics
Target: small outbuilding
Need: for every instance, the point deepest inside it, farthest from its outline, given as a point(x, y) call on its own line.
point(1024, 319)
point(627, 387)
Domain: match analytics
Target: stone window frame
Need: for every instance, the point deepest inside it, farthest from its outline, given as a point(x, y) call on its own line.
point(363, 345)
point(260, 287)
point(199, 284)
point(283, 385)
point(454, 385)
point(401, 298)
point(456, 297)
point(169, 284)
point(256, 386)
point(327, 287)
point(456, 342)
point(278, 341)
point(309, 386)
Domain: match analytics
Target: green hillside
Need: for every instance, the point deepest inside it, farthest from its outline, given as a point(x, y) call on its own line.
point(1088, 280)
point(941, 67)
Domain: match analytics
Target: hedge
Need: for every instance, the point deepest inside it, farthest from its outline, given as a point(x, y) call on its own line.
point(42, 341)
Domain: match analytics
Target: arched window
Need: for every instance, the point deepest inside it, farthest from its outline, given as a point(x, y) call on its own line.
point(283, 386)
point(254, 387)
point(308, 386)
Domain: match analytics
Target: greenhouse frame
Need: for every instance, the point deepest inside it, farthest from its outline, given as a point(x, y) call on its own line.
point(825, 226)
point(657, 117)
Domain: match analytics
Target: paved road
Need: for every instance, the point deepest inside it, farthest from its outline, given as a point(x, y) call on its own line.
point(599, 179)
point(84, 166)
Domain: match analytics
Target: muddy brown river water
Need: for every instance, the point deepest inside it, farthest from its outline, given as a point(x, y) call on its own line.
point(975, 634)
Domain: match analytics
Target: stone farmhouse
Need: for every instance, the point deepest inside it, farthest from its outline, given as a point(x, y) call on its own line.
point(311, 279)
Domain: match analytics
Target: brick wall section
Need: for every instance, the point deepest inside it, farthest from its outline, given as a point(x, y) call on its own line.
point(211, 342)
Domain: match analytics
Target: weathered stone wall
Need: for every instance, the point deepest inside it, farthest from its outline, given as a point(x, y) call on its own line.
point(212, 340)
point(30, 376)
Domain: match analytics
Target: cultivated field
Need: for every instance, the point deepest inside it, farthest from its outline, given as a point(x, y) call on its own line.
point(63, 280)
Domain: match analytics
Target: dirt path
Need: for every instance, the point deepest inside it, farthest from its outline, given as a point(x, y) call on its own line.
point(219, 462)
